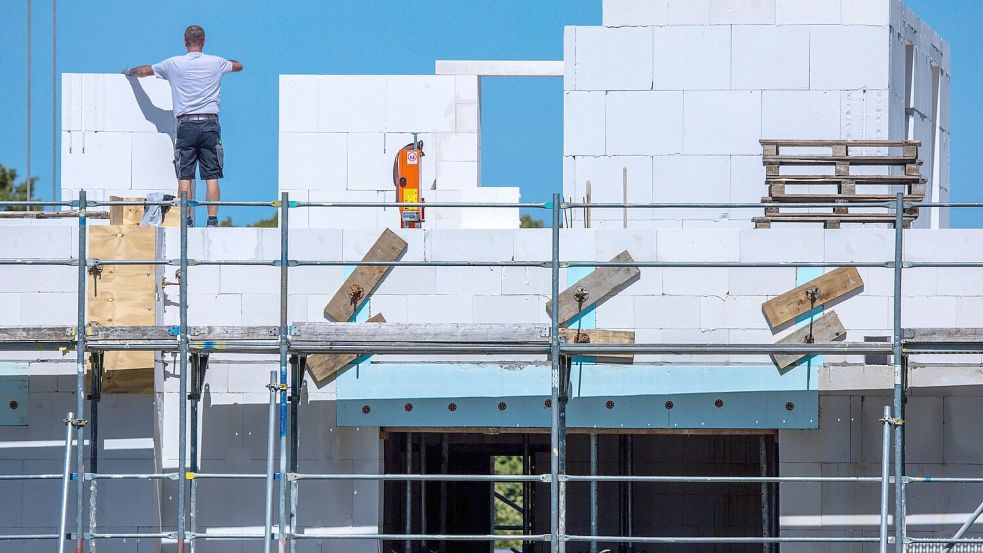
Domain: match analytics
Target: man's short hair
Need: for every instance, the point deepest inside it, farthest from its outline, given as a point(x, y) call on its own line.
point(194, 35)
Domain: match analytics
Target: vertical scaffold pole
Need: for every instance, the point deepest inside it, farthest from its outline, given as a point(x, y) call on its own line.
point(297, 367)
point(408, 496)
point(885, 473)
point(899, 377)
point(765, 507)
point(593, 491)
point(183, 360)
point(284, 266)
point(65, 477)
point(80, 374)
point(270, 449)
point(555, 380)
point(196, 374)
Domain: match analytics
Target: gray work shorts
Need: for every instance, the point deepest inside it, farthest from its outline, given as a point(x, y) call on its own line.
point(199, 143)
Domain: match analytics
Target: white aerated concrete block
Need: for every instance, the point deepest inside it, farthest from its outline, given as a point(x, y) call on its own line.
point(644, 123)
point(534, 244)
point(689, 12)
point(807, 12)
point(698, 245)
point(866, 312)
point(860, 244)
point(36, 240)
point(607, 177)
point(440, 309)
point(10, 308)
point(20, 279)
point(210, 309)
point(692, 58)
point(420, 103)
point(802, 114)
point(711, 281)
point(368, 166)
point(298, 103)
point(313, 161)
point(410, 281)
point(667, 312)
point(264, 309)
point(130, 104)
point(510, 309)
point(393, 308)
point(722, 122)
point(616, 312)
point(495, 245)
point(641, 244)
point(731, 312)
point(960, 281)
point(747, 182)
point(247, 279)
point(800, 244)
point(760, 281)
point(458, 146)
point(358, 241)
point(352, 103)
point(866, 12)
point(90, 160)
point(152, 165)
point(525, 280)
point(743, 12)
point(849, 57)
point(457, 175)
point(765, 56)
point(583, 123)
point(483, 281)
point(614, 58)
point(468, 118)
point(930, 311)
point(634, 12)
point(467, 89)
point(679, 179)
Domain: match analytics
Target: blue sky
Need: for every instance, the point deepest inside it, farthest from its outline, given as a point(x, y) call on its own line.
point(521, 118)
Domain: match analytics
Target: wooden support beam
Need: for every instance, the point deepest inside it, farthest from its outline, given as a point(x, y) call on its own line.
point(365, 279)
point(598, 336)
point(601, 283)
point(323, 366)
point(825, 329)
point(837, 283)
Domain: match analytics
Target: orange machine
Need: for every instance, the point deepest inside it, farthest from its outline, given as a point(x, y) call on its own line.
point(406, 178)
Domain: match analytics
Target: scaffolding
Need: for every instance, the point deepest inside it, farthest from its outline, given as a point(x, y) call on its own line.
point(194, 344)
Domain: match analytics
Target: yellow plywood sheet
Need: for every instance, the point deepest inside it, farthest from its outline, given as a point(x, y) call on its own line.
point(121, 295)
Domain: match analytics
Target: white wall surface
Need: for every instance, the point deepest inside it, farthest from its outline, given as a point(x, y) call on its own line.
point(675, 81)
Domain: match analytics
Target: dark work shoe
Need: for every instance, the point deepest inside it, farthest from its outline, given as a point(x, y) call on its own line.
point(191, 222)
point(212, 222)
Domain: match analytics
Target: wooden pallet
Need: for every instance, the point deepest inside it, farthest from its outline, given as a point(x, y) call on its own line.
point(843, 154)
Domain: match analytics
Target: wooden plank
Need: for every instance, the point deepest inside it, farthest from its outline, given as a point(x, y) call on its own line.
point(826, 328)
point(323, 366)
point(422, 332)
point(832, 285)
point(124, 295)
point(813, 198)
point(944, 335)
point(601, 283)
point(834, 179)
point(388, 247)
point(805, 159)
point(37, 333)
point(600, 336)
point(849, 143)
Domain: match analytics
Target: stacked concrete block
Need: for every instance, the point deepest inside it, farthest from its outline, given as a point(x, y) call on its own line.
point(747, 70)
point(117, 136)
point(340, 134)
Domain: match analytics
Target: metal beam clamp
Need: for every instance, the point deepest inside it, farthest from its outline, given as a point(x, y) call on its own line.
point(812, 294)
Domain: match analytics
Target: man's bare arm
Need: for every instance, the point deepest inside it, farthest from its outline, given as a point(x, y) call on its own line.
point(236, 66)
point(139, 71)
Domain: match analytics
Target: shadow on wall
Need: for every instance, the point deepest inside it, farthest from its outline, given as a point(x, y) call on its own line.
point(162, 119)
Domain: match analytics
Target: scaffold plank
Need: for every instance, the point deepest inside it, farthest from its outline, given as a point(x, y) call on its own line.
point(824, 329)
point(600, 283)
point(784, 308)
point(364, 279)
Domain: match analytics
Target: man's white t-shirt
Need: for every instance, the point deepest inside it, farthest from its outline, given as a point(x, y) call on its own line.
point(196, 81)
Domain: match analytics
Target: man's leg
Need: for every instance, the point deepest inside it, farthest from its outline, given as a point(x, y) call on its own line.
point(212, 194)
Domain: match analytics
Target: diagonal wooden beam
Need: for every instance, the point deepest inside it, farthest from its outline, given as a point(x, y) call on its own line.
point(825, 329)
point(837, 283)
point(365, 279)
point(323, 366)
point(601, 283)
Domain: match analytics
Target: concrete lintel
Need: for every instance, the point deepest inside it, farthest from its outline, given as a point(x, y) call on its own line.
point(500, 68)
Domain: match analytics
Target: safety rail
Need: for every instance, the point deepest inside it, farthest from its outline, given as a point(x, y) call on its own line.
point(287, 381)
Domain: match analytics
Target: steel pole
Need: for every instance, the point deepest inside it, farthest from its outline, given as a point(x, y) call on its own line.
point(66, 476)
point(284, 333)
point(270, 448)
point(964, 528)
point(765, 507)
point(899, 377)
point(408, 496)
point(885, 476)
point(80, 372)
point(423, 489)
point(183, 397)
point(199, 386)
point(555, 542)
point(593, 491)
point(297, 380)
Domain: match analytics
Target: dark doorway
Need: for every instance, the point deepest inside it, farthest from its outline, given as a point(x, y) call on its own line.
point(638, 509)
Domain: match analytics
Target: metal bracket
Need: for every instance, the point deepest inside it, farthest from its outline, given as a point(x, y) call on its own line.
point(199, 366)
point(812, 294)
point(96, 360)
point(892, 421)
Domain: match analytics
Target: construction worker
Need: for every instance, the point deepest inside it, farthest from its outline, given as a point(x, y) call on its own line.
point(196, 84)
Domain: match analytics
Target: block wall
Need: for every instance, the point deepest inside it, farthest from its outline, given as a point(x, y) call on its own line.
point(117, 136)
point(668, 305)
point(339, 135)
point(672, 96)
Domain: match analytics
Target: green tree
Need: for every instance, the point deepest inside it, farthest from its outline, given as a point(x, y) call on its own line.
point(271, 222)
point(11, 191)
point(526, 221)
point(227, 222)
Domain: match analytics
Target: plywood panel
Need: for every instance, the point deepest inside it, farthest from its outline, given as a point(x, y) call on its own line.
point(122, 295)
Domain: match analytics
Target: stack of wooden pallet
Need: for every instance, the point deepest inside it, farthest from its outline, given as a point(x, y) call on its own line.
point(843, 172)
